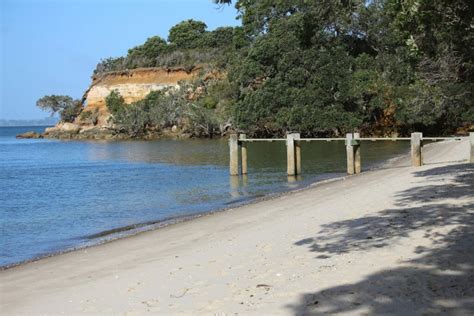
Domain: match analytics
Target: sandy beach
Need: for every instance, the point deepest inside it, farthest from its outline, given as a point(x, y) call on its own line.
point(398, 240)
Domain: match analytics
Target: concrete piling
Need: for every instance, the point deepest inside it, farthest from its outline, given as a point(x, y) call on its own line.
point(416, 146)
point(471, 141)
point(350, 154)
point(243, 146)
point(234, 155)
point(297, 138)
point(290, 154)
point(357, 161)
point(352, 140)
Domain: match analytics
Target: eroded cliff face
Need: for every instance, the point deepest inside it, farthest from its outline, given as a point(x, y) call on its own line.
point(133, 85)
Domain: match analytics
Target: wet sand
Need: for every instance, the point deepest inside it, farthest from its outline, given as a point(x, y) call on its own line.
point(398, 240)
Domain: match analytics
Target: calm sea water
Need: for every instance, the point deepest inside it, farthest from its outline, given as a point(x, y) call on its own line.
point(59, 195)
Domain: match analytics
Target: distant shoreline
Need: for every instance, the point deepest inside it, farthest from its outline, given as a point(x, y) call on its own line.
point(39, 125)
point(25, 123)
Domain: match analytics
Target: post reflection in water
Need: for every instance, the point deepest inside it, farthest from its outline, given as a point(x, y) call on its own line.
point(122, 183)
point(238, 186)
point(234, 186)
point(292, 180)
point(245, 180)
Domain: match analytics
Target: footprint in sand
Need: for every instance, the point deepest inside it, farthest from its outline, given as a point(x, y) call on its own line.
point(151, 303)
point(267, 248)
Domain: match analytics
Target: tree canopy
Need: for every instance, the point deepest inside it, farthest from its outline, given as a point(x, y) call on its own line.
point(188, 34)
point(67, 107)
point(327, 67)
point(331, 66)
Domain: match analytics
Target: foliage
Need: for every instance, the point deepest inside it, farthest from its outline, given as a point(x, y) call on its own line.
point(154, 46)
point(198, 108)
point(329, 67)
point(67, 107)
point(133, 120)
point(89, 117)
point(190, 44)
point(188, 34)
point(441, 34)
point(319, 67)
point(115, 102)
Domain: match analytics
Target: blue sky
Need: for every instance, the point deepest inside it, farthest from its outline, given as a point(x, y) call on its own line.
point(52, 46)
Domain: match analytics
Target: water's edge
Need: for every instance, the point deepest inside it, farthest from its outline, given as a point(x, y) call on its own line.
point(115, 230)
point(119, 233)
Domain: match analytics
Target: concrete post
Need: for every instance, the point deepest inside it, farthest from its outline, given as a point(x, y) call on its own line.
point(350, 154)
point(234, 155)
point(290, 154)
point(244, 153)
point(357, 162)
point(471, 140)
point(297, 138)
point(416, 145)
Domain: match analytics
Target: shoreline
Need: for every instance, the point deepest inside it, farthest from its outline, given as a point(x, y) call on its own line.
point(387, 241)
point(152, 225)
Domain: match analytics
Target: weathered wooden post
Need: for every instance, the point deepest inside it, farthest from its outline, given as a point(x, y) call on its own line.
point(350, 153)
point(243, 145)
point(297, 152)
point(357, 162)
point(416, 145)
point(290, 154)
point(234, 155)
point(471, 139)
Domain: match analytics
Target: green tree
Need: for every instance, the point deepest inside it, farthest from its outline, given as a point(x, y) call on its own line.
point(67, 107)
point(147, 54)
point(133, 120)
point(110, 64)
point(320, 67)
point(440, 36)
point(188, 34)
point(115, 103)
point(220, 37)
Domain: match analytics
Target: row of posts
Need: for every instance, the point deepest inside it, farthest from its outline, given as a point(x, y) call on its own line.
point(293, 150)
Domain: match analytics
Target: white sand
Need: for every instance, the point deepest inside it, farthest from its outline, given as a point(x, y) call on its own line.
point(395, 241)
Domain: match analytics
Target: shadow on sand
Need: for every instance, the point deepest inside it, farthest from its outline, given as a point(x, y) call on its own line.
point(439, 281)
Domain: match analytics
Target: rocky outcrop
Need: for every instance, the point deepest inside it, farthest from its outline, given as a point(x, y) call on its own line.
point(133, 85)
point(62, 130)
point(30, 135)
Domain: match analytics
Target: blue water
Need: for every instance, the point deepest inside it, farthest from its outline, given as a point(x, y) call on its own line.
point(58, 195)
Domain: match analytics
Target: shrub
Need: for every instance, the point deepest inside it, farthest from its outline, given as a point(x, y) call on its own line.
point(188, 34)
point(115, 102)
point(89, 117)
point(67, 107)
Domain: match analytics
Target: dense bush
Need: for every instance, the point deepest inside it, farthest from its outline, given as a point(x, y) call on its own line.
point(189, 44)
point(89, 117)
point(329, 67)
point(115, 103)
point(319, 67)
point(188, 34)
point(198, 108)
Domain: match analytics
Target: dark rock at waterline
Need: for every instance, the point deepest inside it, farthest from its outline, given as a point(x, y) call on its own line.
point(30, 135)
